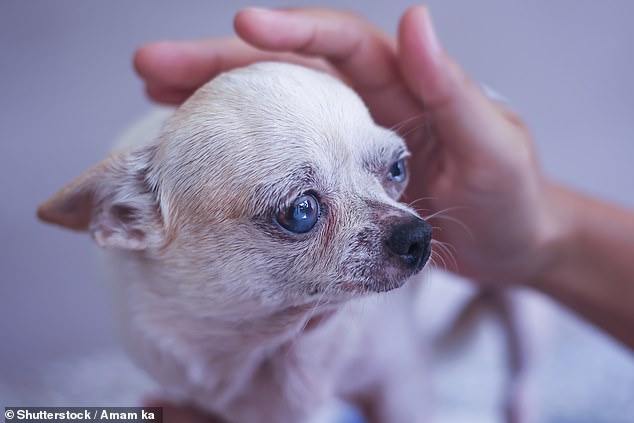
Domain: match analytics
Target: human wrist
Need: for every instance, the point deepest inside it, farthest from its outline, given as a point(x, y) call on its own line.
point(573, 220)
point(555, 241)
point(590, 270)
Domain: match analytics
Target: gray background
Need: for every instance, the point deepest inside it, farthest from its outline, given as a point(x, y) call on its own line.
point(67, 89)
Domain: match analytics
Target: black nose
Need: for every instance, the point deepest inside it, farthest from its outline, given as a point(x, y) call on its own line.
point(410, 241)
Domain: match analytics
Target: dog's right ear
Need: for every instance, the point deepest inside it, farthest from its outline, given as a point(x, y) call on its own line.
point(114, 201)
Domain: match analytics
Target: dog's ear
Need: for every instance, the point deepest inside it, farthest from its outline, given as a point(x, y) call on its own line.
point(114, 201)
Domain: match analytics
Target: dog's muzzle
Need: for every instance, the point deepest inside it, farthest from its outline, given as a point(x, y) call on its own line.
point(410, 243)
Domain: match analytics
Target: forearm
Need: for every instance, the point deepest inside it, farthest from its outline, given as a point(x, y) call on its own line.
point(592, 270)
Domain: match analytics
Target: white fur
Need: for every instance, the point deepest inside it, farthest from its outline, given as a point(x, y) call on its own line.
point(224, 308)
point(220, 305)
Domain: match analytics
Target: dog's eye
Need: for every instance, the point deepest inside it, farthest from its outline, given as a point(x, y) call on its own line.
point(397, 172)
point(301, 215)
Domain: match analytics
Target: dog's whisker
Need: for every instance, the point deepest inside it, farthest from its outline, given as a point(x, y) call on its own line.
point(435, 258)
point(413, 203)
point(457, 221)
point(446, 250)
point(399, 125)
point(432, 261)
point(444, 244)
point(405, 134)
point(443, 212)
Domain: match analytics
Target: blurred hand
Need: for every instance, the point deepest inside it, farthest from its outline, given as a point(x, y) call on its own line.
point(473, 163)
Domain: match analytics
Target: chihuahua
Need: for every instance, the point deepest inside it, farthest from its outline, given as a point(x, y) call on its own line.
point(248, 242)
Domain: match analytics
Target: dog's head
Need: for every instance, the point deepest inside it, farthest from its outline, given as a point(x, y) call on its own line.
point(271, 183)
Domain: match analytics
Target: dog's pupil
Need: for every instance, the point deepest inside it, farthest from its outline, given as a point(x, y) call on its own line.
point(397, 171)
point(302, 214)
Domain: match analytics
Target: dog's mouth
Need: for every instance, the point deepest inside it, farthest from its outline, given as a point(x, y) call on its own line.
point(388, 281)
point(392, 276)
point(367, 288)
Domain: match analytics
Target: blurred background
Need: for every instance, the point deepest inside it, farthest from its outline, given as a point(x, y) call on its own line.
point(67, 89)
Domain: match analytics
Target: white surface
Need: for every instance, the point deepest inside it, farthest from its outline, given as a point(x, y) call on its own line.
point(578, 375)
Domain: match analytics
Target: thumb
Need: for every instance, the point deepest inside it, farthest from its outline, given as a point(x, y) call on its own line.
point(462, 116)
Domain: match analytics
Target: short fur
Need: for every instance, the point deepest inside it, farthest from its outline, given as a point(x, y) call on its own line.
point(218, 302)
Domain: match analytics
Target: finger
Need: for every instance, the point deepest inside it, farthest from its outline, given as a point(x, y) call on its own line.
point(167, 95)
point(360, 51)
point(182, 66)
point(344, 39)
point(510, 115)
point(457, 108)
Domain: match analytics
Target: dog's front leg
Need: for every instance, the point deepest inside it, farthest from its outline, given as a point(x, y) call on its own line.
point(388, 379)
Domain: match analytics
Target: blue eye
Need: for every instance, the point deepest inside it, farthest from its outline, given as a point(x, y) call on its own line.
point(301, 215)
point(398, 171)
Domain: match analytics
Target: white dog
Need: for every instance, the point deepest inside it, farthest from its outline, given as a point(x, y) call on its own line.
point(248, 242)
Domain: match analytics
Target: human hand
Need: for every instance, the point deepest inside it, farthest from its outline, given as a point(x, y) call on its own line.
point(473, 160)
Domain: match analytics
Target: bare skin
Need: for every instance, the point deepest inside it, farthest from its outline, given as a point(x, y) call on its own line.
point(473, 159)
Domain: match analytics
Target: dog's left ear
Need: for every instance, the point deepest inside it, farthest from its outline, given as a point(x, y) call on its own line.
point(114, 201)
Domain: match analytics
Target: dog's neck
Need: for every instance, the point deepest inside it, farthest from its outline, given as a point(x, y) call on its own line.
point(219, 351)
point(251, 328)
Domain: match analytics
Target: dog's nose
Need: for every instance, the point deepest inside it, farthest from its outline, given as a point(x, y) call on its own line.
point(411, 242)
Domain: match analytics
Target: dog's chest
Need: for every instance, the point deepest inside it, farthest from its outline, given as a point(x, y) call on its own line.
point(289, 382)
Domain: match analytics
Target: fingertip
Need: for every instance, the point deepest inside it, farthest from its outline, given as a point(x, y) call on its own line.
point(247, 21)
point(142, 56)
point(420, 53)
point(240, 17)
point(419, 17)
point(250, 13)
point(457, 107)
point(154, 61)
point(180, 65)
point(431, 74)
point(276, 30)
